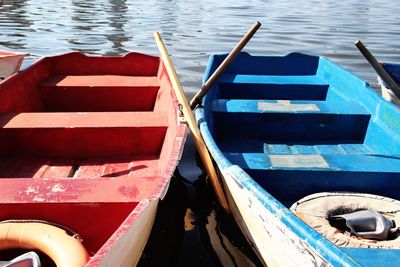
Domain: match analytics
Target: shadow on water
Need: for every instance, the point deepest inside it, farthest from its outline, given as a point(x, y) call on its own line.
point(218, 231)
point(168, 230)
point(192, 229)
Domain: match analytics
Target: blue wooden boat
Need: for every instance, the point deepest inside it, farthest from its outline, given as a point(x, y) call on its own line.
point(394, 71)
point(305, 150)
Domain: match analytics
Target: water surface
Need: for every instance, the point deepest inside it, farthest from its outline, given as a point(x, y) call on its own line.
point(194, 29)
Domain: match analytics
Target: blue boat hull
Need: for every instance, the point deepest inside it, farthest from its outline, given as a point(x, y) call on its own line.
point(282, 128)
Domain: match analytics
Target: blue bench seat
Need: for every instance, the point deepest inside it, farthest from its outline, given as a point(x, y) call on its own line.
point(322, 162)
point(287, 106)
point(272, 79)
point(242, 145)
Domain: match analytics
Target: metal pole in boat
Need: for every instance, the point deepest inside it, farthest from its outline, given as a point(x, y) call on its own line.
point(191, 121)
point(224, 65)
point(378, 68)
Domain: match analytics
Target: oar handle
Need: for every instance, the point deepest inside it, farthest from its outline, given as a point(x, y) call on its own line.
point(224, 65)
point(378, 68)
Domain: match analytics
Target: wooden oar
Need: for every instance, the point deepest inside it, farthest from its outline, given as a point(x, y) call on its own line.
point(378, 68)
point(224, 65)
point(194, 129)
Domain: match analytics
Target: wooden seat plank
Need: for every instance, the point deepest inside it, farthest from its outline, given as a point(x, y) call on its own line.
point(100, 81)
point(83, 120)
point(81, 135)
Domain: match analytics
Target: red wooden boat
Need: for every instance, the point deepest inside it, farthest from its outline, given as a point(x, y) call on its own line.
point(89, 143)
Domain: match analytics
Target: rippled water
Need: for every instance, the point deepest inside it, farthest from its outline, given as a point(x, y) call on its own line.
point(194, 29)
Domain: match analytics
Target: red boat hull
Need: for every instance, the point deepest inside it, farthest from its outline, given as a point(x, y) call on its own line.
point(90, 143)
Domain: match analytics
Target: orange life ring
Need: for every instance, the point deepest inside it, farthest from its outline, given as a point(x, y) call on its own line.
point(63, 249)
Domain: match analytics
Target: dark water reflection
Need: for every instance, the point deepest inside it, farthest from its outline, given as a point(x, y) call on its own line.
point(207, 236)
point(192, 31)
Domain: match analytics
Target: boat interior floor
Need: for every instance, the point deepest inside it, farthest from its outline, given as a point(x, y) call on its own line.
point(85, 168)
point(74, 126)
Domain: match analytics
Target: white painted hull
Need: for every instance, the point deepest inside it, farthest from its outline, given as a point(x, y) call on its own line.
point(10, 63)
point(126, 245)
point(271, 239)
point(388, 94)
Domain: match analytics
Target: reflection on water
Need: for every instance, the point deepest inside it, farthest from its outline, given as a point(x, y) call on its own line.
point(211, 237)
point(14, 17)
point(192, 31)
point(219, 231)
